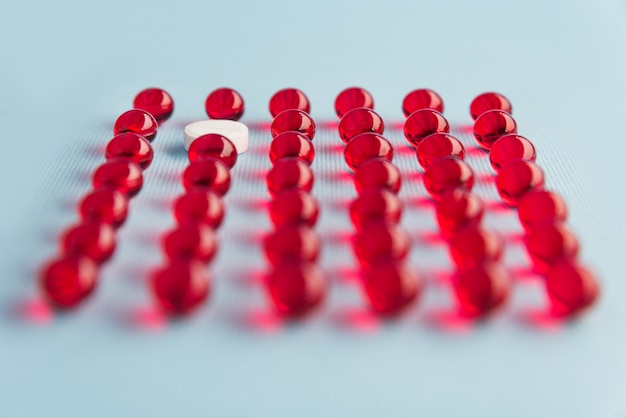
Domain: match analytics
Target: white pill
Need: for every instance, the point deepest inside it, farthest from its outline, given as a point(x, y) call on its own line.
point(237, 132)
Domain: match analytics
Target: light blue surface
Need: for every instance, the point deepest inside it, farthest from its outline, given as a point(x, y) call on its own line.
point(69, 68)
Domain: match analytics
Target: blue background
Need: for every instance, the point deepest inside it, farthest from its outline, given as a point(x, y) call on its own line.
point(67, 70)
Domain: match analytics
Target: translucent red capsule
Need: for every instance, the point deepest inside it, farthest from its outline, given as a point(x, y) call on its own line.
point(181, 286)
point(459, 209)
point(472, 245)
point(104, 205)
point(517, 178)
point(352, 98)
point(421, 99)
point(541, 206)
point(292, 144)
point(292, 243)
point(489, 101)
point(437, 146)
point(68, 280)
point(213, 146)
point(549, 243)
point(224, 103)
point(377, 173)
point(571, 287)
point(375, 205)
point(289, 173)
point(296, 288)
point(358, 121)
point(509, 148)
point(391, 287)
point(208, 173)
point(155, 101)
point(190, 241)
point(491, 126)
point(422, 123)
point(447, 174)
point(293, 120)
point(95, 240)
point(293, 207)
point(481, 289)
point(365, 147)
point(289, 98)
point(136, 121)
point(119, 174)
point(130, 146)
point(203, 206)
point(380, 242)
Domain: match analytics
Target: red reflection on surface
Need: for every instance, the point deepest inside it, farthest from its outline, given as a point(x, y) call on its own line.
point(542, 318)
point(404, 149)
point(259, 126)
point(331, 148)
point(431, 237)
point(35, 311)
point(359, 319)
point(497, 206)
point(149, 318)
point(346, 274)
point(413, 176)
point(328, 124)
point(395, 126)
point(450, 320)
point(252, 204)
point(465, 129)
point(263, 320)
point(524, 274)
point(485, 178)
point(442, 277)
point(477, 152)
point(338, 237)
point(420, 201)
point(263, 149)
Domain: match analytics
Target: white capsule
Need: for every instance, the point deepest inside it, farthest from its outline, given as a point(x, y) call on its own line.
point(237, 132)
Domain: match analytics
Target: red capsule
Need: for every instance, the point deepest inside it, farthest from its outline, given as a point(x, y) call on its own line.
point(155, 101)
point(292, 144)
point(130, 146)
point(292, 243)
point(289, 173)
point(493, 125)
point(68, 280)
point(380, 242)
point(293, 207)
point(481, 289)
point(209, 174)
point(119, 174)
point(213, 146)
point(104, 205)
point(375, 205)
point(181, 286)
point(509, 148)
point(293, 120)
point(447, 174)
point(458, 209)
point(95, 240)
point(472, 245)
point(191, 241)
point(203, 206)
point(549, 243)
point(437, 146)
point(516, 178)
point(224, 103)
point(365, 147)
point(377, 173)
point(541, 206)
point(296, 288)
point(391, 287)
point(571, 287)
point(136, 121)
point(489, 101)
point(422, 123)
point(352, 98)
point(421, 99)
point(289, 99)
point(358, 121)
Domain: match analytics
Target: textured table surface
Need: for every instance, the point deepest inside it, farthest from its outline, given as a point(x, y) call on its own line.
point(69, 68)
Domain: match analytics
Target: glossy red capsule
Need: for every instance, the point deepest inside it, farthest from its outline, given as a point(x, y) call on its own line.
point(493, 125)
point(181, 286)
point(119, 174)
point(224, 103)
point(459, 209)
point(539, 207)
point(517, 178)
point(421, 99)
point(136, 121)
point(489, 101)
point(447, 174)
point(213, 146)
point(377, 173)
point(380, 242)
point(155, 101)
point(358, 121)
point(293, 120)
point(293, 207)
point(571, 287)
point(190, 241)
point(351, 98)
point(437, 146)
point(289, 98)
point(289, 173)
point(104, 205)
point(295, 289)
point(509, 148)
point(201, 206)
point(292, 144)
point(95, 240)
point(365, 147)
point(292, 243)
point(130, 146)
point(209, 174)
point(481, 289)
point(68, 280)
point(422, 123)
point(375, 205)
point(473, 245)
point(391, 287)
point(549, 243)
